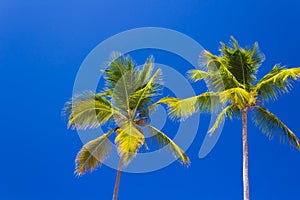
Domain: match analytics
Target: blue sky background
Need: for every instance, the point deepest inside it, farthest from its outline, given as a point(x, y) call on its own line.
point(42, 44)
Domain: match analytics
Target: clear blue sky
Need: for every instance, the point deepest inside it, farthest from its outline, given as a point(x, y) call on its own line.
point(42, 44)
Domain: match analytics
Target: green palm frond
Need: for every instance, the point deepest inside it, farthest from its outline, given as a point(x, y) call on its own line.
point(229, 80)
point(136, 88)
point(270, 125)
point(237, 96)
point(183, 108)
point(277, 81)
point(118, 66)
point(213, 80)
point(144, 96)
point(198, 75)
point(216, 80)
point(93, 154)
point(152, 107)
point(209, 60)
point(144, 74)
point(242, 63)
point(229, 111)
point(149, 109)
point(235, 67)
point(165, 140)
point(122, 91)
point(89, 110)
point(129, 139)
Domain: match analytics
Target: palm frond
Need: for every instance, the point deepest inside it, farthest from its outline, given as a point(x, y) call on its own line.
point(123, 89)
point(165, 140)
point(149, 109)
point(93, 154)
point(183, 108)
point(237, 96)
point(88, 110)
point(216, 80)
point(144, 96)
point(277, 81)
point(144, 74)
point(118, 66)
point(209, 60)
point(198, 75)
point(269, 124)
point(242, 63)
point(136, 88)
point(229, 111)
point(129, 139)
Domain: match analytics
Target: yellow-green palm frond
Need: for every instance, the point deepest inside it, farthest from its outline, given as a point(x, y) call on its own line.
point(229, 111)
point(135, 89)
point(122, 91)
point(129, 139)
point(209, 60)
point(237, 96)
point(163, 140)
point(93, 154)
point(270, 125)
point(88, 110)
point(118, 66)
point(141, 98)
point(144, 74)
point(183, 108)
point(216, 80)
point(277, 81)
point(213, 80)
point(198, 75)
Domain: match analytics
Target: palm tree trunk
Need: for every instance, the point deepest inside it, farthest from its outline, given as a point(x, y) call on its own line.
point(117, 184)
point(245, 155)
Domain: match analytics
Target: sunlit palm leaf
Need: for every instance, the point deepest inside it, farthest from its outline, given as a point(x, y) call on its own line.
point(277, 81)
point(145, 73)
point(142, 97)
point(236, 96)
point(183, 108)
point(123, 90)
point(216, 80)
point(93, 154)
point(213, 80)
point(129, 139)
point(270, 125)
point(230, 111)
point(198, 75)
point(89, 110)
point(207, 102)
point(118, 66)
point(165, 140)
point(210, 61)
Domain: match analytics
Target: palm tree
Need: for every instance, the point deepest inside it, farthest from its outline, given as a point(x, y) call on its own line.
point(232, 78)
point(124, 106)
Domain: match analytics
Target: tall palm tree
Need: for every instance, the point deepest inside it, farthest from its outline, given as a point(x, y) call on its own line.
point(124, 106)
point(232, 78)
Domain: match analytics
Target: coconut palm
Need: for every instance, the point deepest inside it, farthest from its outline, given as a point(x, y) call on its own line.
point(124, 107)
point(232, 80)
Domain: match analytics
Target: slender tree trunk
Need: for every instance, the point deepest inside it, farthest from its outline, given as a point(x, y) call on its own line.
point(245, 155)
point(117, 184)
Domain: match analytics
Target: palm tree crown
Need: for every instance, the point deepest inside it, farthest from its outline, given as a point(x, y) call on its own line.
point(232, 80)
point(126, 102)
